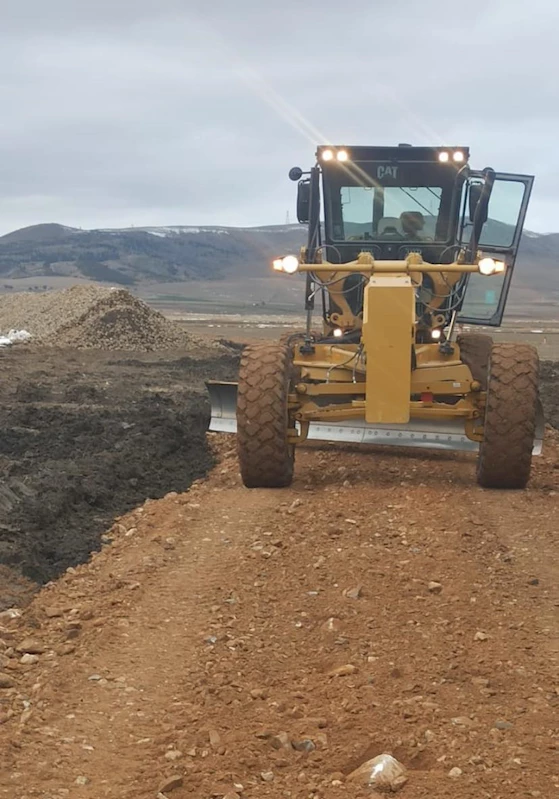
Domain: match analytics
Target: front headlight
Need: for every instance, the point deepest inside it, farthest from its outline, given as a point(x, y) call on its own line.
point(289, 264)
point(489, 266)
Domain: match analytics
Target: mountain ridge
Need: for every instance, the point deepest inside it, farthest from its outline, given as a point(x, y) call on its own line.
point(141, 256)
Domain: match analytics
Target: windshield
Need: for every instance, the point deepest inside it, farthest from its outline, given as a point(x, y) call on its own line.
point(398, 203)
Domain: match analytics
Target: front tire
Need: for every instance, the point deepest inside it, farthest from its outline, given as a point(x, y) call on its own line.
point(505, 454)
point(475, 351)
point(266, 457)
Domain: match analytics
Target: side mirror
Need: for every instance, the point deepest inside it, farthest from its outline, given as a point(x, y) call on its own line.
point(296, 173)
point(303, 201)
point(474, 197)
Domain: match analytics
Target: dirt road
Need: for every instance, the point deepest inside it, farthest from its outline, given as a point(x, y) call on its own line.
point(202, 645)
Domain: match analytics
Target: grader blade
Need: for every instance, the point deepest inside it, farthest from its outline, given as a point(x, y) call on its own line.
point(442, 435)
point(223, 399)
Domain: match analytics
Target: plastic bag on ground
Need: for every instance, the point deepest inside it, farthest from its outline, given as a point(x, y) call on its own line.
point(15, 337)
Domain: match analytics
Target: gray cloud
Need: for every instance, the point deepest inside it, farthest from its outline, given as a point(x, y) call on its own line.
point(184, 112)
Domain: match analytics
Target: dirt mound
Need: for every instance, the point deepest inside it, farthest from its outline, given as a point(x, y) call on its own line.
point(86, 436)
point(92, 317)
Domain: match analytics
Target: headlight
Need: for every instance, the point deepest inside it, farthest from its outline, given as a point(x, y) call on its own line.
point(289, 264)
point(444, 157)
point(489, 266)
point(435, 335)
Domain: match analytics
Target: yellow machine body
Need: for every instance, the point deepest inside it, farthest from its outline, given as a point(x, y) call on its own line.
point(375, 383)
point(388, 331)
point(374, 391)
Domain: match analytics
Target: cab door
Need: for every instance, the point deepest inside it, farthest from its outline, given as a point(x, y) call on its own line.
point(485, 297)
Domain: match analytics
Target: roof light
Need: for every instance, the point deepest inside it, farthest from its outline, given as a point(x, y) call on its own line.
point(458, 156)
point(489, 266)
point(444, 157)
point(342, 155)
point(327, 155)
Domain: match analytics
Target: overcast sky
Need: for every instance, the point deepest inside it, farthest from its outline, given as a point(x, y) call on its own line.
point(155, 112)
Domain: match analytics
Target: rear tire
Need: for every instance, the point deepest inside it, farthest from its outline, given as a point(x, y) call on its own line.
point(475, 351)
point(266, 457)
point(505, 454)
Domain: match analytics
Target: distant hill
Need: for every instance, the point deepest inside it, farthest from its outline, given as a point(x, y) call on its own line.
point(144, 255)
point(159, 255)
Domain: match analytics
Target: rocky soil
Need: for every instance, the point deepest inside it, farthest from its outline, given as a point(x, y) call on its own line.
point(235, 643)
point(92, 317)
point(226, 643)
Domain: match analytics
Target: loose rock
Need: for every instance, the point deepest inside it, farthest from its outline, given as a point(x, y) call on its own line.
point(383, 772)
point(503, 725)
point(31, 647)
point(305, 745)
point(455, 773)
point(343, 671)
point(54, 613)
point(281, 741)
point(29, 660)
point(215, 739)
point(171, 783)
point(6, 681)
point(173, 754)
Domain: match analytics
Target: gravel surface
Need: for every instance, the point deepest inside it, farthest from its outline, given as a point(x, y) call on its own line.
point(92, 317)
point(267, 644)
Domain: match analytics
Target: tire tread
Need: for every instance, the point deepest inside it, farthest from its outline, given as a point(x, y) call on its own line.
point(265, 455)
point(505, 455)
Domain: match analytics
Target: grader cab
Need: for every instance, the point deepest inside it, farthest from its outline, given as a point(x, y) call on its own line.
point(404, 245)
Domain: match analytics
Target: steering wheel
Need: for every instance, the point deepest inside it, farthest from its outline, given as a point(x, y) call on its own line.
point(392, 234)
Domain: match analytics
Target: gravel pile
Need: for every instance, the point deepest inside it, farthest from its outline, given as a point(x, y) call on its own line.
point(92, 317)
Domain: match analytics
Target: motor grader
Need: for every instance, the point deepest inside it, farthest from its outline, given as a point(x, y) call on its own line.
point(405, 246)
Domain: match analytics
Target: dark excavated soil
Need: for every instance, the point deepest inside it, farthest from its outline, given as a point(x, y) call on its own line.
point(86, 436)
